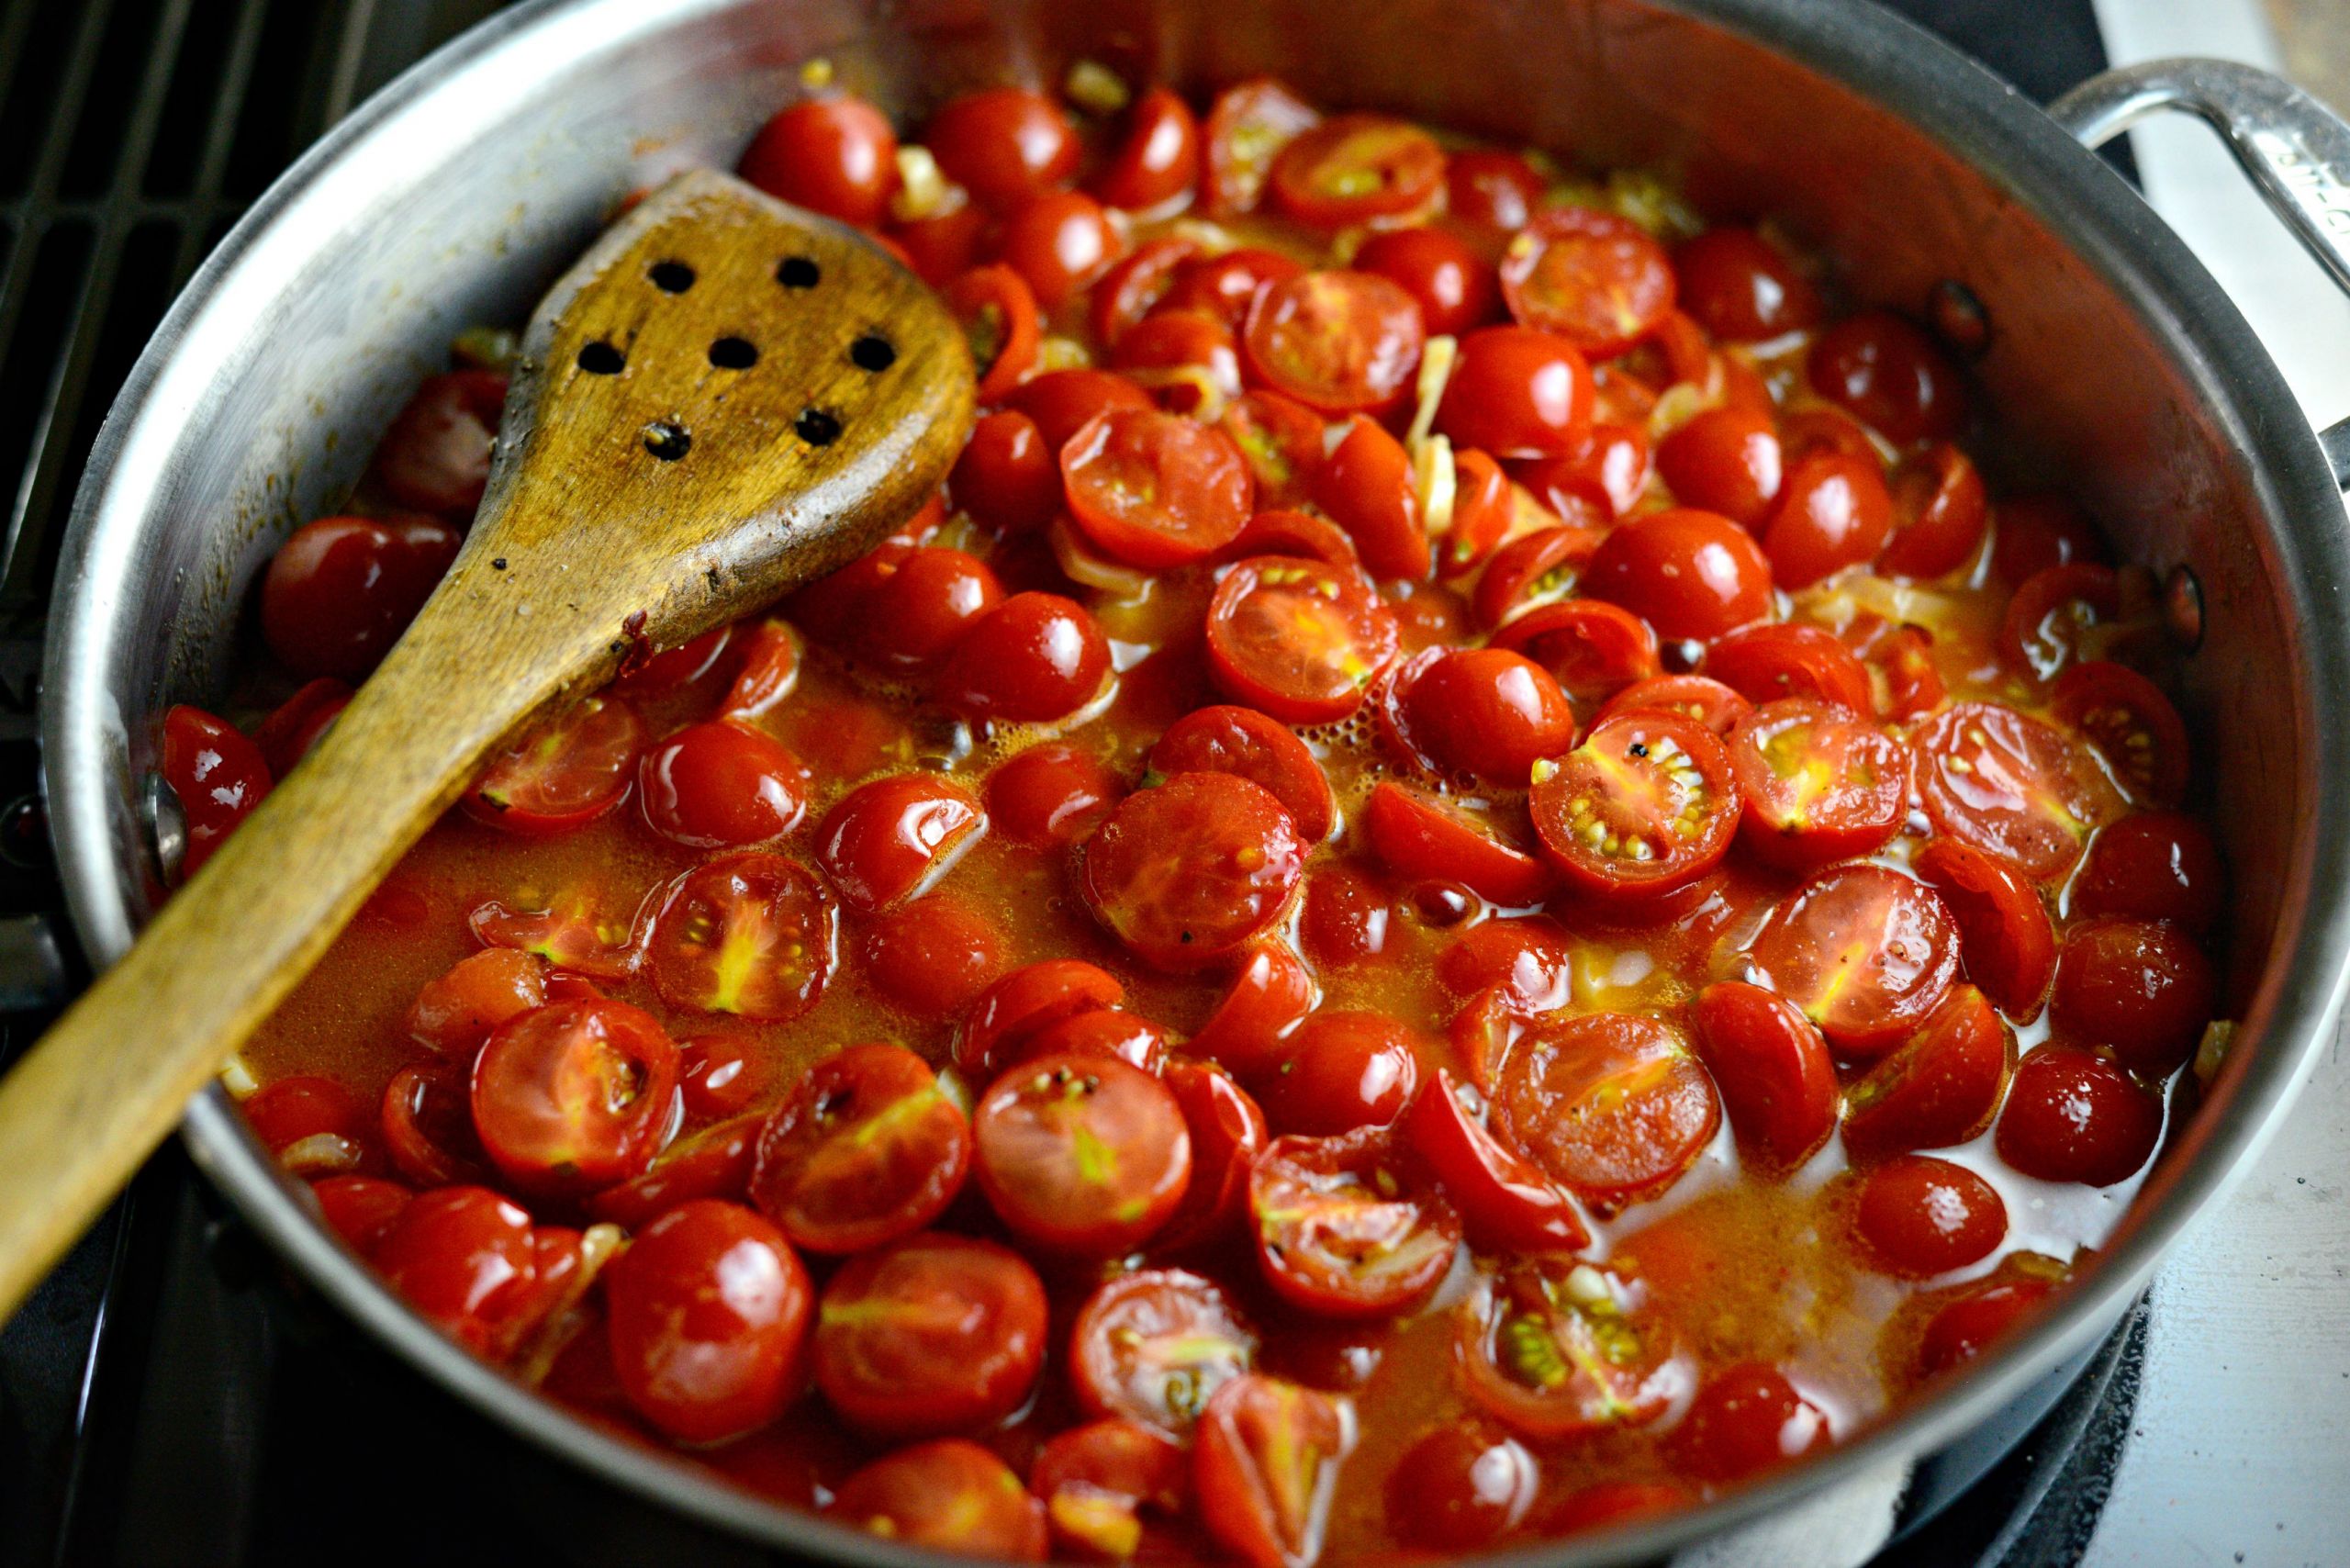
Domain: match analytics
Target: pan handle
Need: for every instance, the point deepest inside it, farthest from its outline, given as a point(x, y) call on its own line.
point(2296, 149)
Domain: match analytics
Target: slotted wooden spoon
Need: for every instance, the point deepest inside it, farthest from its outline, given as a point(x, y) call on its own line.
point(726, 396)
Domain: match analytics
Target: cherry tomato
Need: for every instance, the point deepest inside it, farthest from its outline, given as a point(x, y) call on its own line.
point(1536, 568)
point(1059, 243)
point(1863, 952)
point(2055, 617)
point(1460, 1488)
point(1228, 1132)
point(1964, 1329)
point(1270, 993)
point(1727, 461)
point(1591, 649)
point(1344, 917)
point(1302, 640)
point(1227, 285)
point(1818, 784)
point(1425, 838)
point(1594, 278)
point(1687, 573)
point(1153, 1347)
point(360, 1209)
point(1507, 1205)
point(1095, 1479)
point(2011, 786)
point(997, 308)
point(1246, 744)
point(1553, 1348)
point(1528, 954)
point(1913, 681)
point(1280, 440)
point(1157, 157)
point(2074, 1117)
point(2009, 948)
point(934, 957)
point(1612, 1105)
point(2132, 724)
point(1643, 806)
point(216, 773)
point(291, 1112)
point(1938, 1088)
point(1833, 512)
point(920, 606)
point(707, 1310)
point(950, 1496)
point(428, 1126)
point(2035, 532)
point(837, 156)
point(1337, 341)
point(1012, 1013)
point(341, 590)
point(1130, 289)
point(435, 454)
point(1063, 401)
point(1746, 1419)
point(1004, 145)
point(1035, 659)
point(1353, 168)
point(1454, 285)
point(1340, 1233)
point(1773, 1070)
point(1189, 358)
point(713, 1163)
point(890, 840)
point(461, 1257)
point(943, 244)
point(750, 933)
point(2153, 866)
point(1052, 793)
point(1492, 192)
point(931, 1333)
point(1081, 1153)
point(575, 1096)
point(566, 773)
point(583, 929)
point(866, 1150)
point(1889, 375)
point(1923, 1216)
point(1247, 128)
point(1005, 478)
point(719, 1075)
point(1714, 706)
point(2141, 989)
point(721, 785)
point(1516, 392)
point(1156, 489)
point(770, 672)
point(1104, 1032)
point(1265, 1469)
point(1742, 288)
point(1186, 872)
point(1611, 462)
point(1777, 659)
point(296, 727)
point(1341, 1072)
point(1485, 712)
point(1939, 511)
point(1366, 486)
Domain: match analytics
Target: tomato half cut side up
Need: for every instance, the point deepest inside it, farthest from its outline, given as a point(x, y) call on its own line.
point(1554, 1347)
point(1818, 783)
point(1265, 1469)
point(929, 1334)
point(1424, 838)
point(1301, 640)
point(1247, 128)
point(2012, 787)
point(1249, 744)
point(564, 774)
point(1862, 951)
point(1153, 1347)
point(1643, 806)
point(1353, 168)
point(1082, 1154)
point(753, 935)
point(575, 1096)
point(1340, 1232)
point(1341, 342)
point(1096, 1479)
point(1505, 1203)
point(1187, 873)
point(951, 1495)
point(867, 1148)
point(1612, 1106)
point(1595, 279)
point(1156, 489)
point(2132, 724)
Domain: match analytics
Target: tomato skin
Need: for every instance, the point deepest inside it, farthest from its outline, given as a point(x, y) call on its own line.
point(1101, 1032)
point(1516, 392)
point(341, 590)
point(1938, 1088)
point(1865, 952)
point(1529, 954)
point(1833, 512)
point(1187, 359)
point(292, 1110)
point(1341, 342)
point(565, 773)
point(1455, 285)
point(1505, 1203)
point(750, 933)
point(216, 773)
point(1891, 375)
point(837, 156)
point(1742, 288)
point(934, 957)
point(1714, 706)
point(1052, 793)
point(1344, 917)
point(573, 1096)
point(1611, 1105)
point(1059, 243)
point(866, 1150)
point(1746, 1419)
point(1157, 155)
point(1493, 193)
point(1035, 659)
point(950, 1495)
point(942, 246)
point(1266, 1466)
point(1005, 478)
point(1727, 461)
point(922, 606)
point(1270, 993)
point(2032, 533)
point(1780, 659)
point(930, 1334)
point(1037, 1139)
point(1351, 168)
point(1366, 486)
point(1226, 285)
point(1940, 510)
point(2050, 621)
point(1923, 1216)
point(1155, 1345)
point(1062, 402)
point(294, 728)
point(1486, 712)
point(1188, 872)
point(1594, 278)
point(1014, 1012)
point(427, 1119)
point(1593, 649)
point(1615, 1502)
point(1772, 1068)
point(770, 672)
point(455, 1014)
point(1460, 1488)
point(719, 1075)
point(2006, 942)
point(1424, 838)
point(1819, 785)
point(1644, 807)
point(1687, 573)
point(2074, 1117)
point(1338, 1234)
point(1094, 1479)
point(1246, 126)
point(1611, 461)
point(721, 785)
point(434, 457)
point(889, 840)
point(2140, 989)
point(1004, 145)
point(1228, 1131)
point(1341, 1072)
point(360, 1209)
point(1247, 745)
point(1596, 1359)
point(2153, 866)
point(461, 1257)
point(1964, 1329)
point(2010, 786)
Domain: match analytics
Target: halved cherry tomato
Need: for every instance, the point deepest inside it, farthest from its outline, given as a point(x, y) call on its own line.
point(1516, 392)
point(1832, 512)
point(1186, 872)
point(1593, 649)
point(1533, 569)
point(583, 928)
point(1862, 951)
point(567, 772)
point(1782, 658)
point(672, 670)
point(1338, 1230)
point(1727, 461)
point(1189, 358)
point(1366, 486)
point(1610, 462)
point(1035, 659)
point(2140, 989)
point(721, 785)
point(1280, 440)
point(1939, 511)
point(296, 725)
point(1505, 1203)
point(2132, 724)
point(1594, 278)
point(1643, 806)
point(1353, 168)
point(866, 1150)
point(1081, 1153)
point(1157, 155)
point(1614, 1502)
point(575, 1096)
point(1153, 1347)
point(1742, 288)
point(1053, 793)
point(217, 775)
point(2037, 532)
point(2074, 1116)
point(1265, 1469)
point(996, 309)
point(2055, 617)
point(1344, 917)
point(1128, 291)
point(1939, 1088)
point(287, 1114)
point(770, 672)
point(1488, 714)
point(941, 245)
point(1302, 640)
point(1964, 1329)
point(2153, 866)
point(950, 1496)
point(1713, 705)
point(1155, 489)
point(1226, 286)
point(890, 841)
point(1340, 1071)
point(1095, 1479)
point(1247, 128)
point(750, 933)
point(2007, 945)
point(341, 590)
point(1246, 744)
point(1687, 573)
point(707, 1309)
point(429, 1128)
point(1454, 285)
point(1913, 681)
point(920, 607)
point(1296, 535)
point(1611, 1104)
point(1527, 954)
point(462, 1256)
point(360, 1209)
point(1003, 144)
point(1819, 784)
point(1923, 1216)
point(1890, 374)
point(1104, 1032)
point(1339, 342)
point(1747, 1419)
point(1270, 993)
point(1554, 1347)
point(1024, 1003)
point(1484, 510)
point(931, 1333)
point(2011, 786)
point(1063, 401)
point(713, 1163)
point(837, 156)
point(1228, 1132)
point(435, 454)
point(1772, 1069)
point(1425, 838)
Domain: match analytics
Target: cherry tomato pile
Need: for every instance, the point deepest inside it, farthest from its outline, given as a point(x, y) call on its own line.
point(1465, 885)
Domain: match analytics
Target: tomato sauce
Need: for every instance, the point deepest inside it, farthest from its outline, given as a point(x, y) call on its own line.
point(1465, 885)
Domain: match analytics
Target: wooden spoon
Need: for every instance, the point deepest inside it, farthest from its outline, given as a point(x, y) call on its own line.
point(726, 396)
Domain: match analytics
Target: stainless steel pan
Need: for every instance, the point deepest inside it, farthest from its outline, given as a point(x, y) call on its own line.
point(2110, 355)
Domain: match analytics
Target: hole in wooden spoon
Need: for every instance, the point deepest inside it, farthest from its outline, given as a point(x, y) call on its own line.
point(872, 353)
point(666, 442)
point(799, 272)
point(733, 354)
point(602, 359)
point(817, 427)
point(672, 278)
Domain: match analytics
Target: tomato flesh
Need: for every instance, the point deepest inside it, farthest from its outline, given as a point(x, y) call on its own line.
point(1643, 806)
point(866, 1150)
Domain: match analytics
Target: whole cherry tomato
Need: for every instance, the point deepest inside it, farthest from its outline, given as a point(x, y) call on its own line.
point(341, 590)
point(1687, 573)
point(1742, 288)
point(1516, 392)
point(1004, 145)
point(217, 775)
point(837, 156)
point(721, 784)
